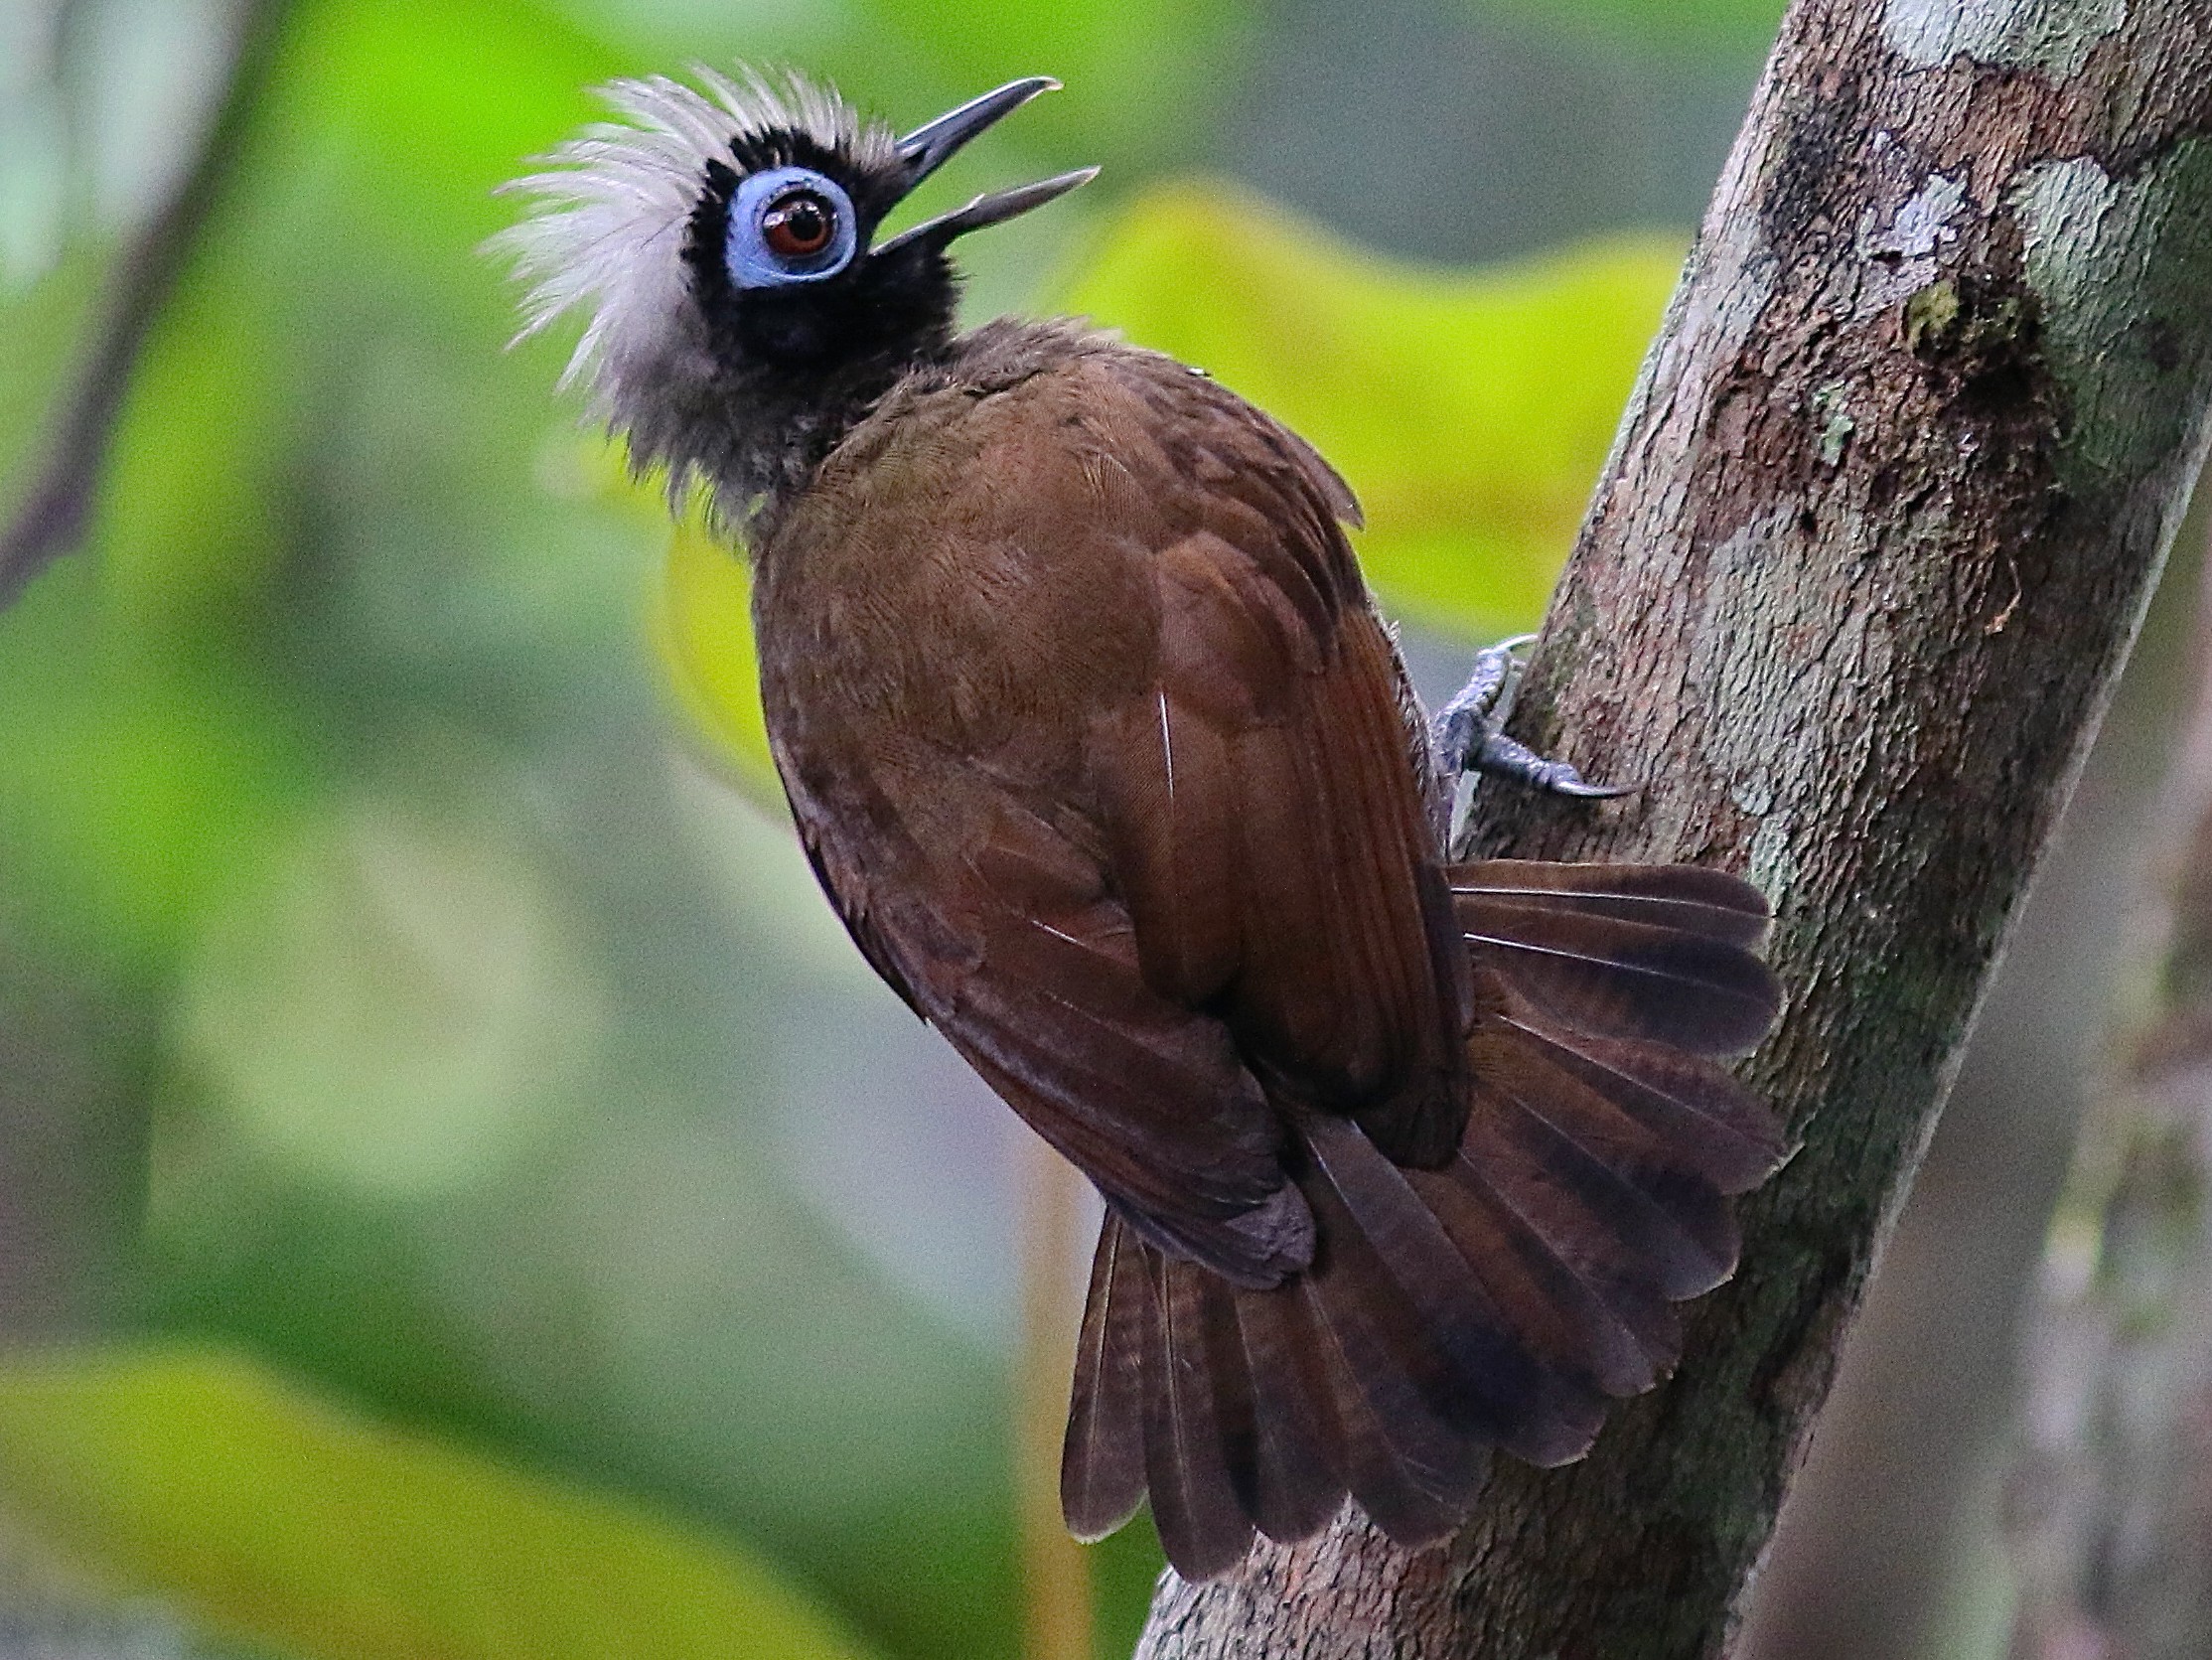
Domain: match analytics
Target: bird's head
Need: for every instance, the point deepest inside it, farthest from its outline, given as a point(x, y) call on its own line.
point(724, 244)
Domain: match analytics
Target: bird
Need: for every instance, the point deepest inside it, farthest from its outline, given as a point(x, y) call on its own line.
point(1099, 745)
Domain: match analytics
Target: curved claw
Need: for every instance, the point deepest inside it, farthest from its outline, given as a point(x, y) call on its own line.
point(1582, 789)
point(1464, 725)
point(1510, 758)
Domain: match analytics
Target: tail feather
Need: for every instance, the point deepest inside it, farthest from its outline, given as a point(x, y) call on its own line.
point(1394, 1268)
point(1686, 898)
point(1499, 1300)
point(1293, 1479)
point(1403, 1488)
point(1237, 1423)
point(1391, 1371)
point(1203, 1526)
point(1102, 1463)
point(1651, 967)
point(1685, 1103)
point(1603, 1262)
point(1670, 1178)
point(1563, 1318)
point(1574, 1193)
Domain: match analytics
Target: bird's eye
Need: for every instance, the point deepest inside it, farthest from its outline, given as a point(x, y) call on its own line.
point(788, 224)
point(799, 225)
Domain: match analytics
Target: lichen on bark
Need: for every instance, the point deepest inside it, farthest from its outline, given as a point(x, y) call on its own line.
point(2122, 267)
point(2014, 34)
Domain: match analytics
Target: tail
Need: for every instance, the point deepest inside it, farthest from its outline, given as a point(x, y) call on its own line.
point(1501, 1301)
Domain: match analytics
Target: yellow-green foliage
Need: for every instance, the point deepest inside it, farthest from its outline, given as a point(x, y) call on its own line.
point(268, 1516)
point(1470, 411)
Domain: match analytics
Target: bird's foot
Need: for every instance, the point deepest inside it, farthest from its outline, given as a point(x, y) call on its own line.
point(1469, 731)
point(1479, 707)
point(1504, 757)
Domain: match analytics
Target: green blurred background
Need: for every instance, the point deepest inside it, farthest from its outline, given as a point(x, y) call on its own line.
point(459, 1192)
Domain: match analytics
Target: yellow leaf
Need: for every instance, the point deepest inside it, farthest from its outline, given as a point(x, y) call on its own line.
point(702, 631)
point(1470, 410)
point(270, 1516)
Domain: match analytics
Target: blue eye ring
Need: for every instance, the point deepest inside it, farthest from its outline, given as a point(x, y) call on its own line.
point(766, 205)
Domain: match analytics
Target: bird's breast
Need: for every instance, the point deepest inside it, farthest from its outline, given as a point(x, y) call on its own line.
point(916, 632)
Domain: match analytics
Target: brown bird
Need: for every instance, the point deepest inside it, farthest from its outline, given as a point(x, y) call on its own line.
point(1099, 747)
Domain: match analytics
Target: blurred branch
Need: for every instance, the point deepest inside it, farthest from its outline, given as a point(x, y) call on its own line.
point(73, 1152)
point(52, 516)
point(2111, 1512)
point(1056, 1572)
point(1879, 529)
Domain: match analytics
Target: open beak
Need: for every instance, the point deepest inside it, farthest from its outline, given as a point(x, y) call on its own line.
point(929, 147)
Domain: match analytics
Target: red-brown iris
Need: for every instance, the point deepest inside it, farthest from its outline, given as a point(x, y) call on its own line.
point(798, 225)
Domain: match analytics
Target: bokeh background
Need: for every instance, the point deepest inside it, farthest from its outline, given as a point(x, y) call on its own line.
point(460, 1194)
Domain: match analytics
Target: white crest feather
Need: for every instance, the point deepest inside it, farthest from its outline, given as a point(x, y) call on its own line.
point(610, 212)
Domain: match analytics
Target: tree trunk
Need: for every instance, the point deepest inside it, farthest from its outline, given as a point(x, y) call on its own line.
point(1885, 509)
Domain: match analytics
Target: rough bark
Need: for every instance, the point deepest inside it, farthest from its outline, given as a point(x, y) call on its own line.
point(1885, 509)
point(2111, 1509)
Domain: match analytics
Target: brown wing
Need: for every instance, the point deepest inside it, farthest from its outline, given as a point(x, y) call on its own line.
point(1008, 942)
point(1267, 821)
point(1097, 746)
